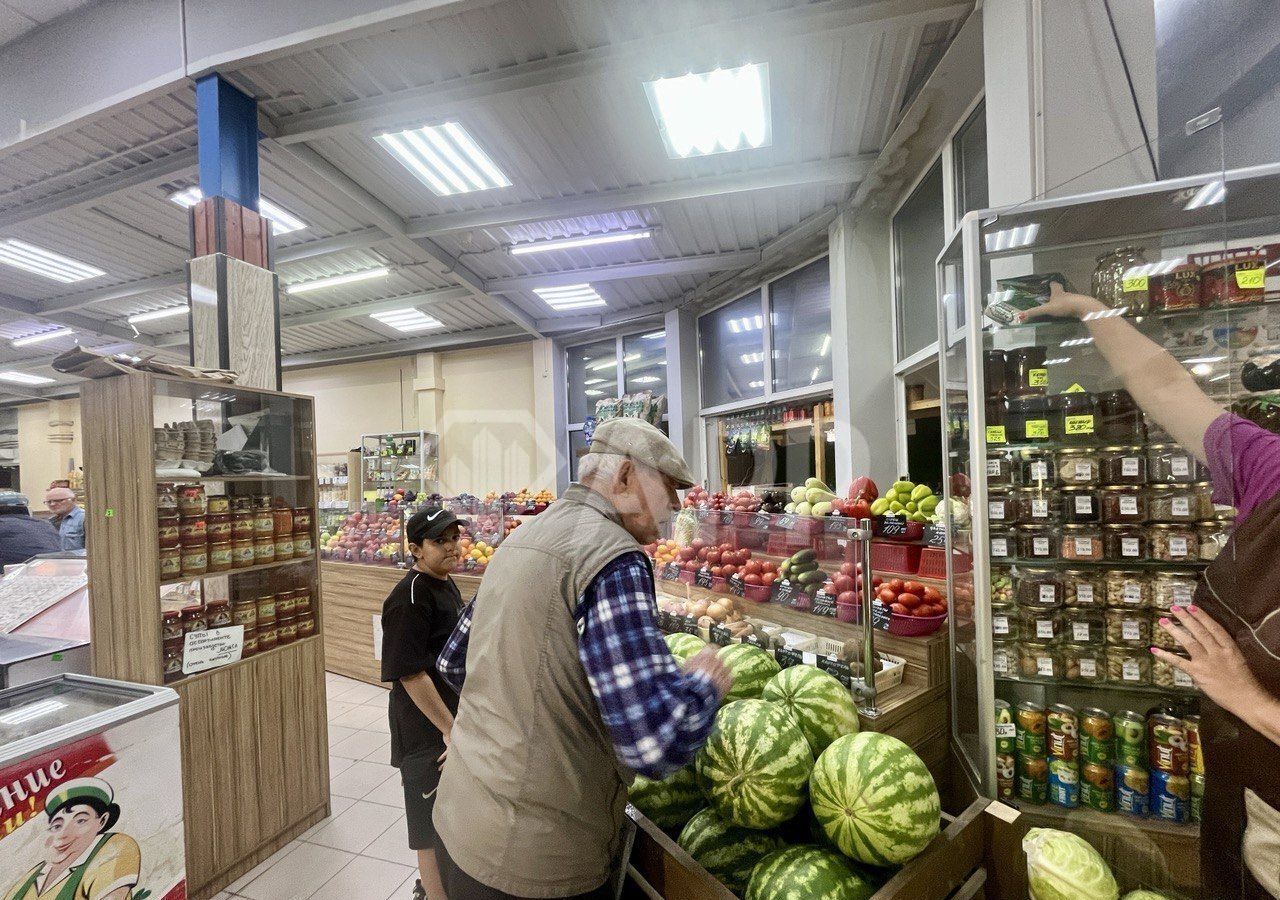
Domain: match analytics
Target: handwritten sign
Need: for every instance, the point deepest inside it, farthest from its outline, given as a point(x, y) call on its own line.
point(837, 525)
point(755, 640)
point(935, 536)
point(783, 591)
point(787, 657)
point(893, 526)
point(1038, 377)
point(720, 636)
point(996, 435)
point(671, 571)
point(689, 625)
point(824, 605)
point(761, 520)
point(881, 615)
point(837, 668)
point(726, 517)
point(785, 521)
point(211, 648)
point(664, 622)
point(703, 579)
point(736, 587)
point(1079, 424)
point(1251, 279)
point(1037, 429)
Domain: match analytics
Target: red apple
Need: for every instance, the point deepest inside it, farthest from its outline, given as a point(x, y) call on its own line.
point(847, 569)
point(713, 557)
point(717, 571)
point(730, 571)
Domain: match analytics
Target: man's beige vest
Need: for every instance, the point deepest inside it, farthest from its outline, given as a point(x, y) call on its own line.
point(532, 796)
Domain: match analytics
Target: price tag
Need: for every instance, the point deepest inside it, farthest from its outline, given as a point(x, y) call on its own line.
point(671, 571)
point(1128, 505)
point(1000, 547)
point(1084, 504)
point(1000, 662)
point(1078, 424)
point(754, 640)
point(1039, 508)
point(1074, 389)
point(726, 517)
point(663, 620)
point(689, 625)
point(838, 525)
point(1134, 284)
point(1129, 467)
point(881, 615)
point(1039, 470)
point(1084, 547)
point(995, 434)
point(211, 648)
point(761, 520)
point(1083, 470)
point(1048, 593)
point(837, 668)
point(1037, 377)
point(1129, 670)
point(788, 657)
point(1132, 592)
point(995, 510)
point(1129, 629)
point(1006, 730)
point(1044, 628)
point(1038, 429)
point(824, 605)
point(468, 565)
point(999, 625)
point(1044, 666)
point(1180, 466)
point(893, 525)
point(1080, 632)
point(1182, 679)
point(720, 636)
point(785, 521)
point(1182, 593)
point(1039, 546)
point(703, 579)
point(783, 591)
point(1251, 279)
point(993, 468)
point(1129, 547)
point(1084, 594)
point(736, 587)
point(1177, 547)
point(935, 536)
point(1088, 668)
point(1181, 507)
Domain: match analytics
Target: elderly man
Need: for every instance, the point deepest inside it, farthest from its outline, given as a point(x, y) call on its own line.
point(569, 687)
point(68, 517)
point(21, 536)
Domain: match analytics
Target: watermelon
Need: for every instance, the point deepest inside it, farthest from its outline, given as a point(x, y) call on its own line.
point(808, 873)
point(822, 706)
point(751, 668)
point(875, 799)
point(671, 802)
point(683, 645)
point(755, 766)
point(725, 850)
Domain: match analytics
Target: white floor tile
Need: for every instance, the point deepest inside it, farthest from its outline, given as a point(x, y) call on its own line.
point(342, 690)
point(360, 744)
point(340, 733)
point(361, 692)
point(361, 778)
point(382, 754)
point(338, 765)
point(337, 806)
point(389, 793)
point(393, 845)
point(338, 708)
point(236, 886)
point(356, 828)
point(368, 879)
point(381, 725)
point(358, 716)
point(299, 875)
point(406, 889)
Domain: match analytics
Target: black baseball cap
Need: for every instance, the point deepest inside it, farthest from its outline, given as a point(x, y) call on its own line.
point(429, 523)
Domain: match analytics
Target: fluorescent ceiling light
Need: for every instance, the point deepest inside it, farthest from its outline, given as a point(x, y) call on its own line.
point(1057, 362)
point(751, 358)
point(631, 357)
point(592, 381)
point(24, 378)
point(647, 379)
point(1077, 342)
point(1211, 193)
point(746, 323)
point(1160, 267)
point(755, 384)
point(826, 345)
point(653, 335)
point(570, 296)
point(1204, 360)
point(157, 314)
point(37, 710)
point(44, 336)
point(40, 261)
point(592, 392)
point(586, 240)
point(1012, 238)
point(813, 376)
point(282, 221)
point(335, 280)
point(601, 366)
point(712, 112)
point(1201, 369)
point(410, 319)
point(444, 158)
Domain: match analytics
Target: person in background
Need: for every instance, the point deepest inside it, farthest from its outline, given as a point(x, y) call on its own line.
point(68, 517)
point(21, 536)
point(1231, 630)
point(569, 686)
point(417, 618)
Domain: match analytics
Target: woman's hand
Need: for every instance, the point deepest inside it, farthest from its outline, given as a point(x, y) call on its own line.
point(1216, 663)
point(1064, 305)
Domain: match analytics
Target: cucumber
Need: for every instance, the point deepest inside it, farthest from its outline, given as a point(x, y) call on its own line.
point(814, 576)
point(804, 556)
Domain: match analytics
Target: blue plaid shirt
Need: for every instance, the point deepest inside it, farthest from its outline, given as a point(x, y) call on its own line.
point(657, 714)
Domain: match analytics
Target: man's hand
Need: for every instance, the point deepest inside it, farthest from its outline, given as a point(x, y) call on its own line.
point(1064, 305)
point(448, 739)
point(707, 662)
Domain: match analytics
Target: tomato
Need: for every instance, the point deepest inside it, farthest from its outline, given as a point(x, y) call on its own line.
point(887, 595)
point(769, 577)
point(713, 557)
point(842, 583)
point(753, 568)
point(753, 579)
point(914, 587)
point(717, 571)
point(730, 571)
point(909, 600)
point(897, 585)
point(899, 609)
point(848, 568)
point(876, 581)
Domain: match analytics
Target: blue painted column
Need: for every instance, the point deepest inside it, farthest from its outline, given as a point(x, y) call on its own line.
point(227, 132)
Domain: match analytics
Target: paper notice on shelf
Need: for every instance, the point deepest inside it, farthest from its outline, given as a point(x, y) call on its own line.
point(211, 648)
point(1129, 467)
point(233, 439)
point(1003, 812)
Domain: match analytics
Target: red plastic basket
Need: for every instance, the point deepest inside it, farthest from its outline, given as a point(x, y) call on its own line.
point(933, 562)
point(915, 626)
point(750, 538)
point(893, 557)
point(719, 585)
point(757, 593)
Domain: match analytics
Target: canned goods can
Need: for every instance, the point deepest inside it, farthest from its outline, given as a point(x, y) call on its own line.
point(1064, 783)
point(1006, 730)
point(1033, 779)
point(1168, 749)
point(1170, 796)
point(1063, 727)
point(1132, 785)
point(1098, 786)
point(1006, 775)
point(1195, 750)
point(1097, 737)
point(1197, 784)
point(1031, 726)
point(1131, 739)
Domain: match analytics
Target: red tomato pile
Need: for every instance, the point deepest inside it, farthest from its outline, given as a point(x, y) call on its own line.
point(911, 598)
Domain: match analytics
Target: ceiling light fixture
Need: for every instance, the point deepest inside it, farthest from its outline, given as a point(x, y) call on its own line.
point(570, 296)
point(591, 381)
point(24, 378)
point(445, 158)
point(1160, 267)
point(43, 336)
point(647, 379)
point(752, 358)
point(1058, 361)
point(601, 366)
point(335, 280)
point(755, 384)
point(653, 335)
point(1076, 342)
point(1012, 238)
point(826, 345)
point(1201, 369)
point(712, 112)
point(813, 376)
point(157, 314)
point(282, 221)
point(407, 320)
point(1213, 192)
point(586, 240)
point(746, 323)
point(592, 392)
point(40, 261)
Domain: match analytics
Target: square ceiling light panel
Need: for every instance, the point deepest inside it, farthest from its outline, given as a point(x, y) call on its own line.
point(570, 296)
point(40, 261)
point(713, 112)
point(25, 378)
point(445, 158)
point(407, 320)
point(282, 221)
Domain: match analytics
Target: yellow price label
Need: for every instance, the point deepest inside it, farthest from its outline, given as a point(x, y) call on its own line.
point(371, 495)
point(1038, 428)
point(995, 434)
point(1038, 377)
point(1251, 279)
point(1079, 424)
point(1134, 284)
point(1074, 389)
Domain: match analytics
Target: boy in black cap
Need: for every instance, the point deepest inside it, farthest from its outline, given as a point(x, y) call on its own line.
point(417, 619)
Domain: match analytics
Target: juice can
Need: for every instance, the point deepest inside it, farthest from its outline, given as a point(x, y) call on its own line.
point(1063, 728)
point(1168, 748)
point(1170, 796)
point(1031, 726)
point(1006, 730)
point(1132, 785)
point(1097, 737)
point(1195, 750)
point(1195, 808)
point(1064, 783)
point(1006, 775)
point(1098, 786)
point(1131, 739)
point(1033, 779)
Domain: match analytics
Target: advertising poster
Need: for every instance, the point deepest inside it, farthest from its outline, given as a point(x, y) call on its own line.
point(99, 818)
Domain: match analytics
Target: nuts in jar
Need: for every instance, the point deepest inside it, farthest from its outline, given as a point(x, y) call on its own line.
point(1038, 588)
point(1039, 625)
point(1002, 543)
point(1212, 537)
point(1125, 543)
point(1080, 506)
point(1128, 627)
point(1001, 587)
point(1081, 542)
point(1161, 637)
point(1081, 625)
point(1034, 506)
point(1120, 466)
point(1173, 465)
point(1123, 506)
point(1036, 467)
point(1179, 504)
point(1037, 542)
point(1126, 588)
point(1038, 661)
point(1082, 588)
point(1077, 467)
point(1005, 624)
point(1174, 543)
point(1166, 675)
point(1084, 663)
point(1169, 589)
point(1126, 665)
point(1004, 658)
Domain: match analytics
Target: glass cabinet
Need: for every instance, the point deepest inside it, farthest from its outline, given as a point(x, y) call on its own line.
point(399, 466)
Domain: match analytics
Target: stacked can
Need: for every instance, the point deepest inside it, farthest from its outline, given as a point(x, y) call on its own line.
point(1133, 784)
point(1006, 749)
point(1032, 761)
point(1097, 760)
point(1170, 768)
point(1195, 753)
point(1063, 729)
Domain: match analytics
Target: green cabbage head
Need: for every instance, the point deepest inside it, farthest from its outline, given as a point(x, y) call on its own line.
point(1064, 866)
point(1144, 894)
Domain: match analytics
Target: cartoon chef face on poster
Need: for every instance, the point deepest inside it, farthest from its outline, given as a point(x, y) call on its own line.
point(83, 858)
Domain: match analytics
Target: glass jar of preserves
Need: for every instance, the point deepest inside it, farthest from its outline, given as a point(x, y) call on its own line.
point(264, 524)
point(241, 505)
point(169, 532)
point(221, 558)
point(996, 411)
point(1173, 465)
point(267, 609)
point(303, 598)
point(1174, 543)
point(242, 526)
point(302, 519)
point(1124, 506)
point(1005, 624)
point(284, 546)
point(170, 624)
point(1126, 543)
point(193, 618)
point(1119, 419)
point(1039, 625)
point(1178, 504)
point(1038, 661)
point(1032, 419)
point(1084, 588)
point(999, 470)
point(1034, 506)
point(1083, 625)
point(1169, 589)
point(1077, 467)
point(1128, 628)
point(282, 518)
point(193, 531)
point(1167, 675)
point(1211, 538)
point(170, 563)
point(1081, 543)
point(1004, 658)
point(1002, 543)
point(1027, 375)
point(166, 500)
point(1036, 468)
point(245, 612)
point(219, 505)
point(262, 501)
point(1128, 665)
point(268, 638)
point(1112, 287)
point(243, 554)
point(286, 632)
point(218, 527)
point(994, 373)
point(1039, 588)
point(1128, 588)
point(1001, 587)
point(306, 627)
point(1080, 506)
point(301, 545)
point(1079, 417)
point(1176, 289)
point(250, 645)
point(1000, 508)
point(264, 551)
point(1037, 542)
point(218, 613)
point(195, 560)
point(286, 605)
point(172, 659)
point(191, 500)
point(1120, 466)
point(1084, 663)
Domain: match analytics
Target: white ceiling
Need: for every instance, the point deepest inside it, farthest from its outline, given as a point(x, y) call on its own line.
point(17, 17)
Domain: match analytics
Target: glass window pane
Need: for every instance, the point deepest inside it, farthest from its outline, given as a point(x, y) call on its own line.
point(801, 315)
point(593, 374)
point(645, 361)
point(970, 152)
point(917, 241)
point(731, 352)
point(577, 447)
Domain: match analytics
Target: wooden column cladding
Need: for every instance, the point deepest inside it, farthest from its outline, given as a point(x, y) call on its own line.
point(219, 225)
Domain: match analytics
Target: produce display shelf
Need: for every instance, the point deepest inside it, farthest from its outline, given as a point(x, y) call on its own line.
point(248, 660)
point(834, 566)
point(261, 567)
point(1107, 686)
point(1058, 562)
point(232, 479)
point(1083, 818)
point(793, 425)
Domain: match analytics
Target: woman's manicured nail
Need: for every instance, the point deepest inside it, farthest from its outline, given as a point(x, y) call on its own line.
point(1164, 620)
point(1176, 608)
point(1193, 608)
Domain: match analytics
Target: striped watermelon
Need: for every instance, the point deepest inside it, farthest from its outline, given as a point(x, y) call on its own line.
point(875, 798)
point(755, 765)
point(822, 706)
point(683, 646)
point(751, 668)
point(808, 873)
point(725, 850)
point(671, 802)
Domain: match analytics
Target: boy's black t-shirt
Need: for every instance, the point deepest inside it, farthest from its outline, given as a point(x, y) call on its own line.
point(417, 618)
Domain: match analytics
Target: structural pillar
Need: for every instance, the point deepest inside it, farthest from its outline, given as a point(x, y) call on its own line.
point(683, 405)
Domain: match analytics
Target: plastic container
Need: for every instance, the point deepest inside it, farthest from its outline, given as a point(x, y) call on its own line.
point(1126, 543)
point(1128, 589)
point(1038, 589)
point(1037, 468)
point(1001, 508)
point(1038, 542)
point(895, 557)
point(1128, 628)
point(1079, 417)
point(1118, 465)
point(933, 562)
point(1174, 543)
point(1084, 625)
point(1170, 464)
point(757, 593)
point(1004, 658)
point(1006, 624)
point(1003, 543)
point(1080, 506)
point(1084, 588)
point(1119, 419)
point(1042, 626)
point(1026, 372)
point(1077, 467)
point(1212, 538)
point(1185, 503)
point(915, 626)
point(1123, 506)
point(1166, 675)
point(1127, 665)
point(1000, 470)
point(1084, 663)
point(1034, 506)
point(1169, 589)
point(1036, 660)
point(1081, 543)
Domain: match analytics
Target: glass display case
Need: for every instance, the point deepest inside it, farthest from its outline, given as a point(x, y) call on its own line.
point(1074, 519)
point(398, 465)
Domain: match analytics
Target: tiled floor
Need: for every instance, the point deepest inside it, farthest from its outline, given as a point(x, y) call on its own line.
point(361, 851)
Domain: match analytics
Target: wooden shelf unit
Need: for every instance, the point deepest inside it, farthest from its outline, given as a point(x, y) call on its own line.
point(254, 734)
